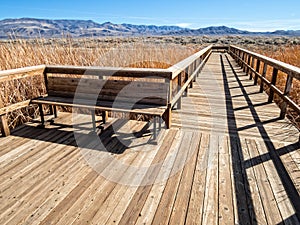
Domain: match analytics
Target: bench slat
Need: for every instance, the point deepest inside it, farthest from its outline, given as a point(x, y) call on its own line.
point(101, 105)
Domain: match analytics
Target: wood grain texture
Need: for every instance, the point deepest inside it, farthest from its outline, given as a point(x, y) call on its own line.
point(214, 166)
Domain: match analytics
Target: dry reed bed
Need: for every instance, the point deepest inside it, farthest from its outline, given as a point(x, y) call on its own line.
point(149, 52)
point(79, 52)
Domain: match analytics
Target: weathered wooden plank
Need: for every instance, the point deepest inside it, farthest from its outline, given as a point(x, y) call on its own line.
point(151, 204)
point(24, 205)
point(7, 144)
point(33, 173)
point(241, 206)
point(195, 207)
point(167, 200)
point(88, 194)
point(100, 212)
point(137, 202)
point(291, 166)
point(270, 205)
point(226, 211)
point(283, 202)
point(258, 215)
point(124, 194)
point(32, 153)
point(90, 200)
point(69, 199)
point(181, 204)
point(211, 203)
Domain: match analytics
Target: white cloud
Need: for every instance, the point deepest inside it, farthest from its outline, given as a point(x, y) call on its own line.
point(184, 25)
point(267, 25)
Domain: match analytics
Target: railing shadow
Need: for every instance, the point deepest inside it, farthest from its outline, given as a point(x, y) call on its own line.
point(273, 153)
point(245, 206)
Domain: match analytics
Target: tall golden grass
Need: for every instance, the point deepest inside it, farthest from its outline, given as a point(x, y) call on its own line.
point(290, 55)
point(79, 52)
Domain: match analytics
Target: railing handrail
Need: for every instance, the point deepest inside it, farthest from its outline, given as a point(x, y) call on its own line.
point(244, 57)
point(183, 64)
point(15, 73)
point(282, 66)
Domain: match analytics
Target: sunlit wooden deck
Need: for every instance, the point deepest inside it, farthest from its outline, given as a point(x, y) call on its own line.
point(228, 159)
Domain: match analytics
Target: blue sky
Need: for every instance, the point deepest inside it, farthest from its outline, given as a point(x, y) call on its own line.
point(253, 15)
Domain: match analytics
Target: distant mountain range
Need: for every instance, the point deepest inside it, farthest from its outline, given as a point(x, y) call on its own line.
point(30, 27)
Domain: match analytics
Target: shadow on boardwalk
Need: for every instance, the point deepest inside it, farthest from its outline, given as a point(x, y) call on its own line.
point(243, 194)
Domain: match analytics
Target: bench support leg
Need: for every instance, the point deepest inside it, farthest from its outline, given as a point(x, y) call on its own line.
point(159, 124)
point(4, 126)
point(93, 120)
point(169, 117)
point(54, 111)
point(51, 109)
point(104, 116)
point(154, 128)
point(41, 114)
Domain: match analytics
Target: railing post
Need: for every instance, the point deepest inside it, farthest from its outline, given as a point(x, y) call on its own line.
point(4, 124)
point(168, 113)
point(198, 64)
point(179, 102)
point(252, 66)
point(239, 55)
point(194, 69)
point(286, 92)
point(257, 70)
point(264, 73)
point(186, 77)
point(190, 74)
point(273, 82)
point(245, 59)
point(242, 57)
point(248, 63)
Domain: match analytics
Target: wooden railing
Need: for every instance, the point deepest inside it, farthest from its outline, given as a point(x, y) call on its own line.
point(179, 78)
point(184, 74)
point(257, 65)
point(16, 75)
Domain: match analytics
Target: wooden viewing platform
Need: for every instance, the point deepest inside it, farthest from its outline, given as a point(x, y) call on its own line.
point(230, 157)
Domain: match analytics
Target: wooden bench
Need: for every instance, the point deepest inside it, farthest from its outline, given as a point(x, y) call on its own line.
point(138, 91)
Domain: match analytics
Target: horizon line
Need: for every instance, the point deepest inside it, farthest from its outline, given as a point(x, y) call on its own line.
point(181, 25)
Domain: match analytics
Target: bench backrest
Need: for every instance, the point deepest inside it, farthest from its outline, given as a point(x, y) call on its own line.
point(144, 91)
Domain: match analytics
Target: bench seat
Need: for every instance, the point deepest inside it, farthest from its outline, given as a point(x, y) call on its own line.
point(102, 105)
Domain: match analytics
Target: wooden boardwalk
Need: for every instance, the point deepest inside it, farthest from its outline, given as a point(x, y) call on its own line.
point(228, 159)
